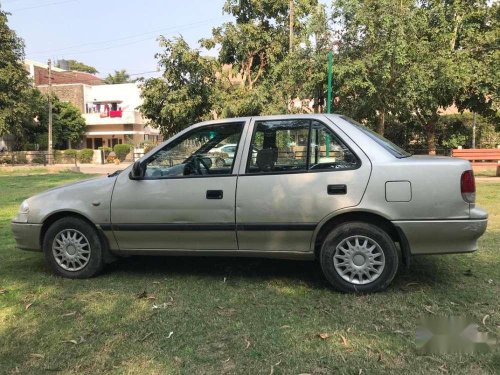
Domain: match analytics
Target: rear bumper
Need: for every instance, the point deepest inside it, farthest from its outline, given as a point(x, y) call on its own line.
point(442, 236)
point(27, 236)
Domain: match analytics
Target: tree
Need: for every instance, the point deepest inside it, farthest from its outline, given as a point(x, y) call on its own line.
point(375, 39)
point(68, 125)
point(445, 61)
point(253, 48)
point(80, 67)
point(119, 76)
point(16, 93)
point(182, 95)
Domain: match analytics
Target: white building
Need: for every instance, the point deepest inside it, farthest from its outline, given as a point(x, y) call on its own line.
point(112, 117)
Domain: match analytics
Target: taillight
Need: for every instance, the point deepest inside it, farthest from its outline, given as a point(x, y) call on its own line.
point(468, 186)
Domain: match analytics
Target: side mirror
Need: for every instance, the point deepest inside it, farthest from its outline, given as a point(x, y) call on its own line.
point(137, 172)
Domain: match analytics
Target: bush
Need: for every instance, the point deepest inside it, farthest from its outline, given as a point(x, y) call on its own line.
point(86, 155)
point(58, 156)
point(71, 155)
point(39, 159)
point(20, 158)
point(121, 151)
point(148, 147)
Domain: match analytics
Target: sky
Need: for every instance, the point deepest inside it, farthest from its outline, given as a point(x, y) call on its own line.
point(110, 34)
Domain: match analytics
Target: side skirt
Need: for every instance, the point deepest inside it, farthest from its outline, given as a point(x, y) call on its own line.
point(294, 255)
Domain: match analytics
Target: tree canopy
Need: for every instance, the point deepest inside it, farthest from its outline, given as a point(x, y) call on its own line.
point(182, 95)
point(16, 93)
point(397, 65)
point(119, 76)
point(80, 67)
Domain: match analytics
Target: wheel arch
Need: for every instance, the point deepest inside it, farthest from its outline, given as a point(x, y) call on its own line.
point(376, 219)
point(53, 217)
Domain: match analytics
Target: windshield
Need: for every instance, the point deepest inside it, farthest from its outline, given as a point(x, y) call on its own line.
point(385, 143)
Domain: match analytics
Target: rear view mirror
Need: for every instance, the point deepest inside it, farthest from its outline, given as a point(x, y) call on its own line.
point(137, 172)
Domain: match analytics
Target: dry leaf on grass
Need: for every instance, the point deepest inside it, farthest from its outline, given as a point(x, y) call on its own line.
point(3, 291)
point(324, 335)
point(74, 342)
point(484, 319)
point(344, 340)
point(37, 355)
point(248, 343)
point(170, 334)
point(28, 305)
point(428, 309)
point(143, 294)
point(69, 314)
point(145, 337)
point(285, 326)
point(163, 305)
point(468, 272)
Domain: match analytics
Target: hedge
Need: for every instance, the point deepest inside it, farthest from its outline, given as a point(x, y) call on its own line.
point(86, 155)
point(121, 151)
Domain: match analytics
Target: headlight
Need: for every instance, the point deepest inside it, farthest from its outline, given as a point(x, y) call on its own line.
point(24, 208)
point(22, 214)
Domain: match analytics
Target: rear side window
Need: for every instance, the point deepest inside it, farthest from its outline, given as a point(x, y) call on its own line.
point(286, 146)
point(327, 151)
point(385, 143)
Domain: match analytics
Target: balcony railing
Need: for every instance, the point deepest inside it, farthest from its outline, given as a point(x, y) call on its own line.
point(111, 117)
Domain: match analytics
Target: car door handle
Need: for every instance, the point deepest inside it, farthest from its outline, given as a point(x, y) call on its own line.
point(215, 194)
point(337, 189)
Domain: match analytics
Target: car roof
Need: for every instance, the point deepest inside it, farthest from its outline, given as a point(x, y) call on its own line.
point(269, 117)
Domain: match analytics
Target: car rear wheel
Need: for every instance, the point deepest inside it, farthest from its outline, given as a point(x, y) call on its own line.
point(359, 257)
point(73, 249)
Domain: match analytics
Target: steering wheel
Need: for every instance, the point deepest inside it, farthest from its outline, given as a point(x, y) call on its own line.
point(197, 163)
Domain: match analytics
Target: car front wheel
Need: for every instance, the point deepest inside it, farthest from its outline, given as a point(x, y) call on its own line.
point(73, 249)
point(359, 257)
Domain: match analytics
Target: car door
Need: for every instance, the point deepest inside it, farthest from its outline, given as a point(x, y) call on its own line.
point(294, 173)
point(183, 202)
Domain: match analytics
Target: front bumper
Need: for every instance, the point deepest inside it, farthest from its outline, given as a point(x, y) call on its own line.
point(443, 236)
point(27, 236)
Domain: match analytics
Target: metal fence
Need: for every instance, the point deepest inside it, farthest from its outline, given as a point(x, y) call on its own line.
point(37, 158)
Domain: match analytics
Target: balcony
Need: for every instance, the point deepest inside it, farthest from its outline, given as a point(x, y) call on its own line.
point(112, 118)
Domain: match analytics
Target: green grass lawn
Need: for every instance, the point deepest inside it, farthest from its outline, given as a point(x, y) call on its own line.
point(218, 315)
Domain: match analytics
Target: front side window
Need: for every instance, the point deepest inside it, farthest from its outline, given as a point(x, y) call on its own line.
point(279, 146)
point(197, 153)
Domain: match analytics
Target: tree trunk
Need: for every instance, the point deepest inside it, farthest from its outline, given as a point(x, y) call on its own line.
point(430, 133)
point(381, 122)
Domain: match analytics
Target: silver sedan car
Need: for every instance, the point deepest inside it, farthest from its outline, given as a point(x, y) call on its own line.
point(300, 187)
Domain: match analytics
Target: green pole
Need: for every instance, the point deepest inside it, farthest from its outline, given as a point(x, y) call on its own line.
point(329, 98)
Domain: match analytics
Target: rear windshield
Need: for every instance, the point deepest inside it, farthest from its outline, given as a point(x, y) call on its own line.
point(385, 143)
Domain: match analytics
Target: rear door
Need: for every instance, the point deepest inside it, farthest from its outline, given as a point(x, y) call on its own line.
point(294, 173)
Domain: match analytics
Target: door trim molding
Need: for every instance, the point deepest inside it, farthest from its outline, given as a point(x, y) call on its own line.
point(209, 227)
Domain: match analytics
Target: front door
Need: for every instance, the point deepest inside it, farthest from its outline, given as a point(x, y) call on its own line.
point(185, 201)
point(296, 172)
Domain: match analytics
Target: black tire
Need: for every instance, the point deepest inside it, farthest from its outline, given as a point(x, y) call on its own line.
point(95, 261)
point(363, 231)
